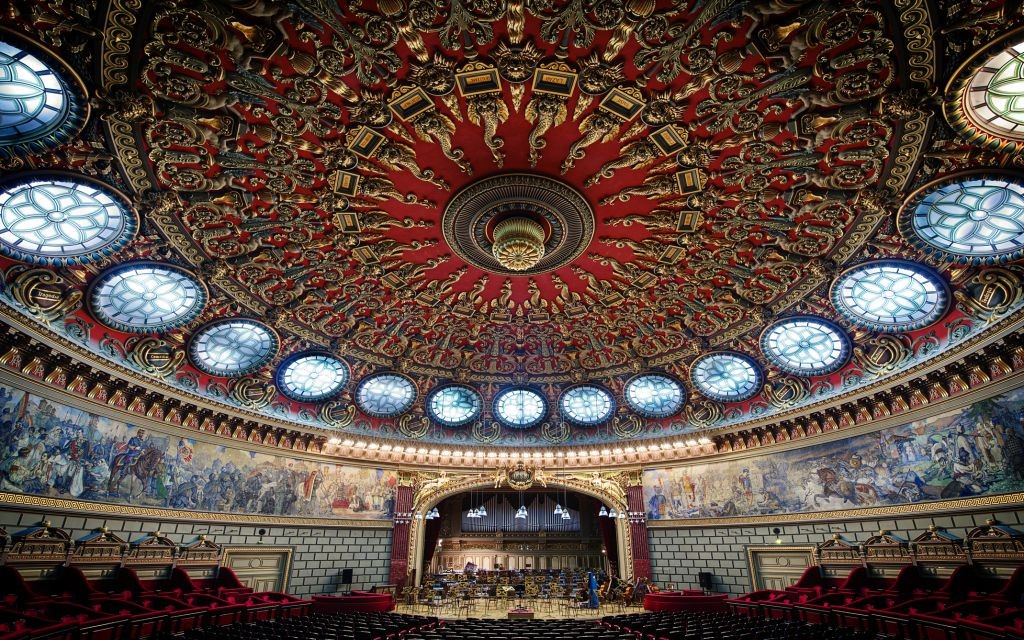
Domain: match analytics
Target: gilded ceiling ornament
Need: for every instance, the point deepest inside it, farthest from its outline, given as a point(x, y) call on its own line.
point(763, 133)
point(157, 357)
point(486, 431)
point(654, 187)
point(43, 293)
point(414, 427)
point(433, 125)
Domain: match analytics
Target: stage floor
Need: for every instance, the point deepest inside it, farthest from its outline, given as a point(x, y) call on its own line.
point(494, 610)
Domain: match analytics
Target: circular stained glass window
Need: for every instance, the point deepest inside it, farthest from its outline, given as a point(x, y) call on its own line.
point(62, 220)
point(454, 405)
point(311, 377)
point(726, 376)
point(805, 345)
point(890, 295)
point(654, 395)
point(994, 97)
point(587, 405)
point(520, 408)
point(146, 298)
point(971, 219)
point(232, 347)
point(385, 395)
point(39, 107)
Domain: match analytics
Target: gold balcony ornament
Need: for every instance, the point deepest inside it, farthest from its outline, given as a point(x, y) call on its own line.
point(518, 243)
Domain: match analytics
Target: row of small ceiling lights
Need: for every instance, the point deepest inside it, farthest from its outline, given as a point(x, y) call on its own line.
point(62, 219)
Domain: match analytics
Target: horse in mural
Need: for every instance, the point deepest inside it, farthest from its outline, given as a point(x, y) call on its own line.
point(854, 492)
point(139, 471)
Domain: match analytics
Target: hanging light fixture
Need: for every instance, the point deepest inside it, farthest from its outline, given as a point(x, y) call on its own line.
point(603, 512)
point(419, 515)
point(558, 509)
point(433, 514)
point(622, 515)
point(522, 514)
point(566, 516)
point(612, 513)
point(481, 511)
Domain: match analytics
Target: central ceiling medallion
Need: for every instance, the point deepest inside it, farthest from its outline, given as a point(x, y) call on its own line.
point(518, 224)
point(518, 243)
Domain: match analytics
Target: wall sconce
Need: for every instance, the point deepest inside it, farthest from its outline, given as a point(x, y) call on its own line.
point(777, 531)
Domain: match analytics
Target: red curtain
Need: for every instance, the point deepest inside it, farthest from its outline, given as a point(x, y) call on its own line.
point(430, 541)
point(607, 528)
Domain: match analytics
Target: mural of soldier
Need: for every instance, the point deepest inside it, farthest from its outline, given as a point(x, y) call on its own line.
point(52, 450)
point(976, 450)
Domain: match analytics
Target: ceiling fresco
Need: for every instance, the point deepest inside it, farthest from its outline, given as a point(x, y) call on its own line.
point(519, 222)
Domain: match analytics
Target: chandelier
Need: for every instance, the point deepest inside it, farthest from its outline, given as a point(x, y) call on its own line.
point(518, 243)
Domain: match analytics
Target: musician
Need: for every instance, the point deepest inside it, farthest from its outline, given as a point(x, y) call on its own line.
point(643, 587)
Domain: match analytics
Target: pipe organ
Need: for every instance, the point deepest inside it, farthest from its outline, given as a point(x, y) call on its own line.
point(499, 540)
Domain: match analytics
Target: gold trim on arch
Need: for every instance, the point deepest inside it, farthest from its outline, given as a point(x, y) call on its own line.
point(425, 500)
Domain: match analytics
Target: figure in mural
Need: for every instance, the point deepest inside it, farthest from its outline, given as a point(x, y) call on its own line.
point(52, 450)
point(137, 462)
point(976, 450)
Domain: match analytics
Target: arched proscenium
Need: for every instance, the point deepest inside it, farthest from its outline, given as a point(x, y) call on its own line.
point(423, 501)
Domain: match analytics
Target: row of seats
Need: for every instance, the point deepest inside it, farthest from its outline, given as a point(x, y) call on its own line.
point(690, 625)
point(967, 604)
point(123, 606)
point(356, 626)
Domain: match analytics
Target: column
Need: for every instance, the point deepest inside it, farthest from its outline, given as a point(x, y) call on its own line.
point(400, 534)
point(638, 528)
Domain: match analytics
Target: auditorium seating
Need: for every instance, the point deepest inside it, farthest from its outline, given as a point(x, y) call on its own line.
point(936, 587)
point(722, 626)
point(100, 587)
point(356, 626)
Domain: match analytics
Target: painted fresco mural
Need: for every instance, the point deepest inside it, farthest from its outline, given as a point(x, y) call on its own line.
point(977, 450)
point(49, 449)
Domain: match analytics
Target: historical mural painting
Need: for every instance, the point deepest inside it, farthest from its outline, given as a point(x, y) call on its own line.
point(49, 449)
point(977, 450)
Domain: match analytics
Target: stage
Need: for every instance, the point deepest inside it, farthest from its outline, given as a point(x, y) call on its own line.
point(493, 609)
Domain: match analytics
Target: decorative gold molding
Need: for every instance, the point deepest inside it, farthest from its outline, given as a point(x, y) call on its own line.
point(122, 15)
point(937, 507)
point(47, 504)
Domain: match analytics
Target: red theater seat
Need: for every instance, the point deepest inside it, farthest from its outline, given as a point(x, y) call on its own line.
point(357, 601)
point(820, 610)
point(218, 612)
point(180, 616)
point(750, 604)
point(944, 623)
point(142, 622)
point(683, 601)
point(15, 625)
point(91, 625)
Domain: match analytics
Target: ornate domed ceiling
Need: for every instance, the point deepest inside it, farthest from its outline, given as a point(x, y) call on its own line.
point(524, 222)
